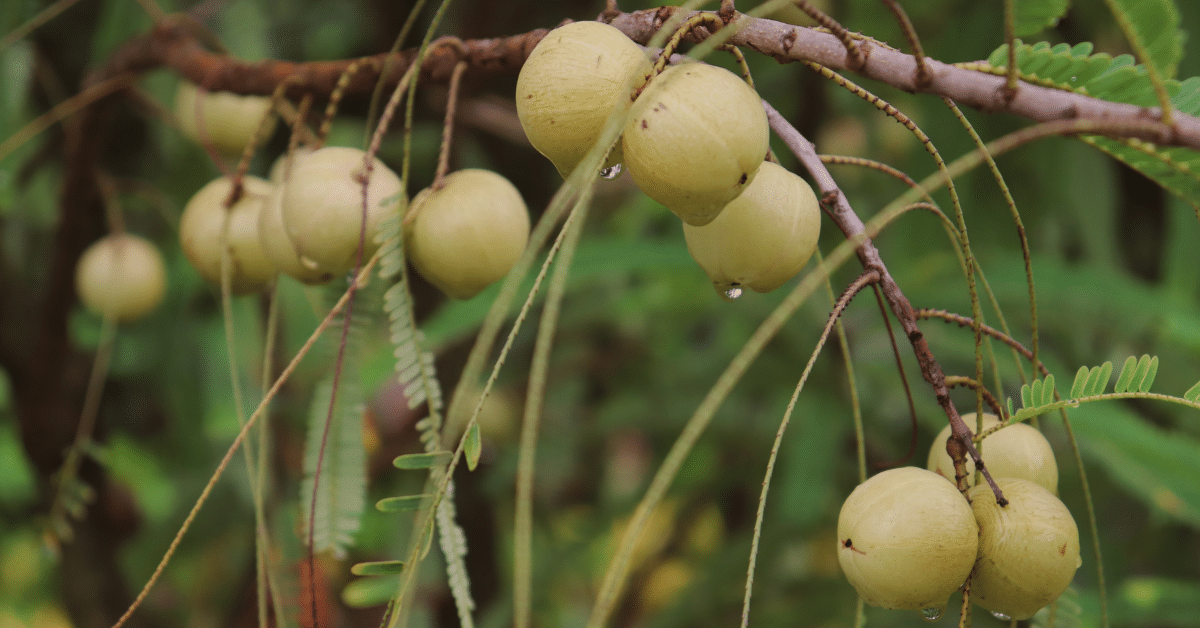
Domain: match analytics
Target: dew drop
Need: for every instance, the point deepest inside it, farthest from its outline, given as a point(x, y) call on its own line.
point(733, 293)
point(611, 172)
point(1001, 616)
point(931, 614)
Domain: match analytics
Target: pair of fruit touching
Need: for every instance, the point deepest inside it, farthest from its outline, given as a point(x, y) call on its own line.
point(308, 226)
point(907, 538)
point(694, 140)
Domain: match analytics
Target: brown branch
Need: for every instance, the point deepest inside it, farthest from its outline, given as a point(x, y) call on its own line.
point(838, 208)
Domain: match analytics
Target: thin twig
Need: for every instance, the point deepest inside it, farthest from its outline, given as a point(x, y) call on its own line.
point(914, 42)
point(443, 165)
point(855, 55)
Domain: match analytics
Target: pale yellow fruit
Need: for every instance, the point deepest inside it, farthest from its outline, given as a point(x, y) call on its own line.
point(694, 140)
point(1028, 550)
point(469, 233)
point(281, 170)
point(569, 86)
point(322, 206)
point(277, 244)
point(906, 539)
point(227, 120)
point(1017, 451)
point(763, 237)
point(122, 277)
point(205, 217)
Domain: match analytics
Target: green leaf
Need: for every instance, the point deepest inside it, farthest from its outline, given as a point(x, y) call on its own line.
point(1140, 372)
point(341, 490)
point(1151, 372)
point(1033, 16)
point(1193, 393)
point(367, 592)
point(1155, 24)
point(1010, 407)
point(1081, 377)
point(473, 446)
point(1035, 393)
point(400, 504)
point(1025, 396)
point(1047, 391)
point(422, 461)
point(1098, 379)
point(378, 568)
point(1126, 375)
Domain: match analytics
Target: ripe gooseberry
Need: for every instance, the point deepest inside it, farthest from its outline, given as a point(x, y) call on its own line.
point(276, 242)
point(228, 120)
point(1016, 451)
point(121, 276)
point(694, 140)
point(1028, 550)
point(906, 539)
point(763, 237)
point(569, 86)
point(468, 233)
point(200, 228)
point(322, 207)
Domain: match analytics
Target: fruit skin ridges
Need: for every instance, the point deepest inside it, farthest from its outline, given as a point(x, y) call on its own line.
point(695, 139)
point(467, 234)
point(570, 85)
point(763, 237)
point(907, 539)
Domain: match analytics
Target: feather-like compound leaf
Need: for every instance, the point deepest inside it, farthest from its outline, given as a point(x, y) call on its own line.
point(1035, 393)
point(1126, 375)
point(378, 568)
point(403, 503)
point(473, 446)
point(422, 461)
point(341, 485)
point(1193, 393)
point(1025, 402)
point(1151, 372)
point(1033, 16)
point(1081, 377)
point(1139, 372)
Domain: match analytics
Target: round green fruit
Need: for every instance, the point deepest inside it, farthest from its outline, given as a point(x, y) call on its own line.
point(200, 233)
point(322, 207)
point(763, 237)
point(906, 539)
point(1016, 451)
point(277, 244)
point(694, 140)
point(467, 234)
point(121, 277)
point(571, 83)
point(227, 120)
point(1028, 550)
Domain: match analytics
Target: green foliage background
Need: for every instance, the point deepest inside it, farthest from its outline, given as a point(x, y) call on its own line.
point(642, 338)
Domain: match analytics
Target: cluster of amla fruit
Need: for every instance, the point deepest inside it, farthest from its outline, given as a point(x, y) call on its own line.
point(695, 140)
point(309, 219)
point(907, 538)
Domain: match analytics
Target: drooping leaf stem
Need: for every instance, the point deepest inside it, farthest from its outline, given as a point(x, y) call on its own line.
point(869, 277)
point(443, 164)
point(914, 42)
point(838, 208)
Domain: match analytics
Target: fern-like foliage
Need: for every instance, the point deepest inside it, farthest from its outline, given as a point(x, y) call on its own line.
point(1155, 24)
point(1116, 79)
point(341, 491)
point(1135, 379)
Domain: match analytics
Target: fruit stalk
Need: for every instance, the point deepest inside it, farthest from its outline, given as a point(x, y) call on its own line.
point(839, 210)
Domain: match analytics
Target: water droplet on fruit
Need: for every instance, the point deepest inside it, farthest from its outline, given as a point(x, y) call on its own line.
point(733, 293)
point(611, 172)
point(1001, 616)
point(931, 614)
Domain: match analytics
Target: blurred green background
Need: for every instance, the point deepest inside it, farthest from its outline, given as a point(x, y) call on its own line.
point(642, 339)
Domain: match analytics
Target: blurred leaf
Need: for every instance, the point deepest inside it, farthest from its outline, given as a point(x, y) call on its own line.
point(367, 592)
point(16, 476)
point(1155, 23)
point(399, 504)
point(421, 461)
point(1033, 16)
point(377, 568)
point(473, 447)
point(341, 489)
point(1147, 601)
point(1155, 466)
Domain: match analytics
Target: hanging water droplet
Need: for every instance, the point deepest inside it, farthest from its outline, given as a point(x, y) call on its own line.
point(1001, 616)
point(611, 172)
point(1073, 79)
point(733, 293)
point(931, 614)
